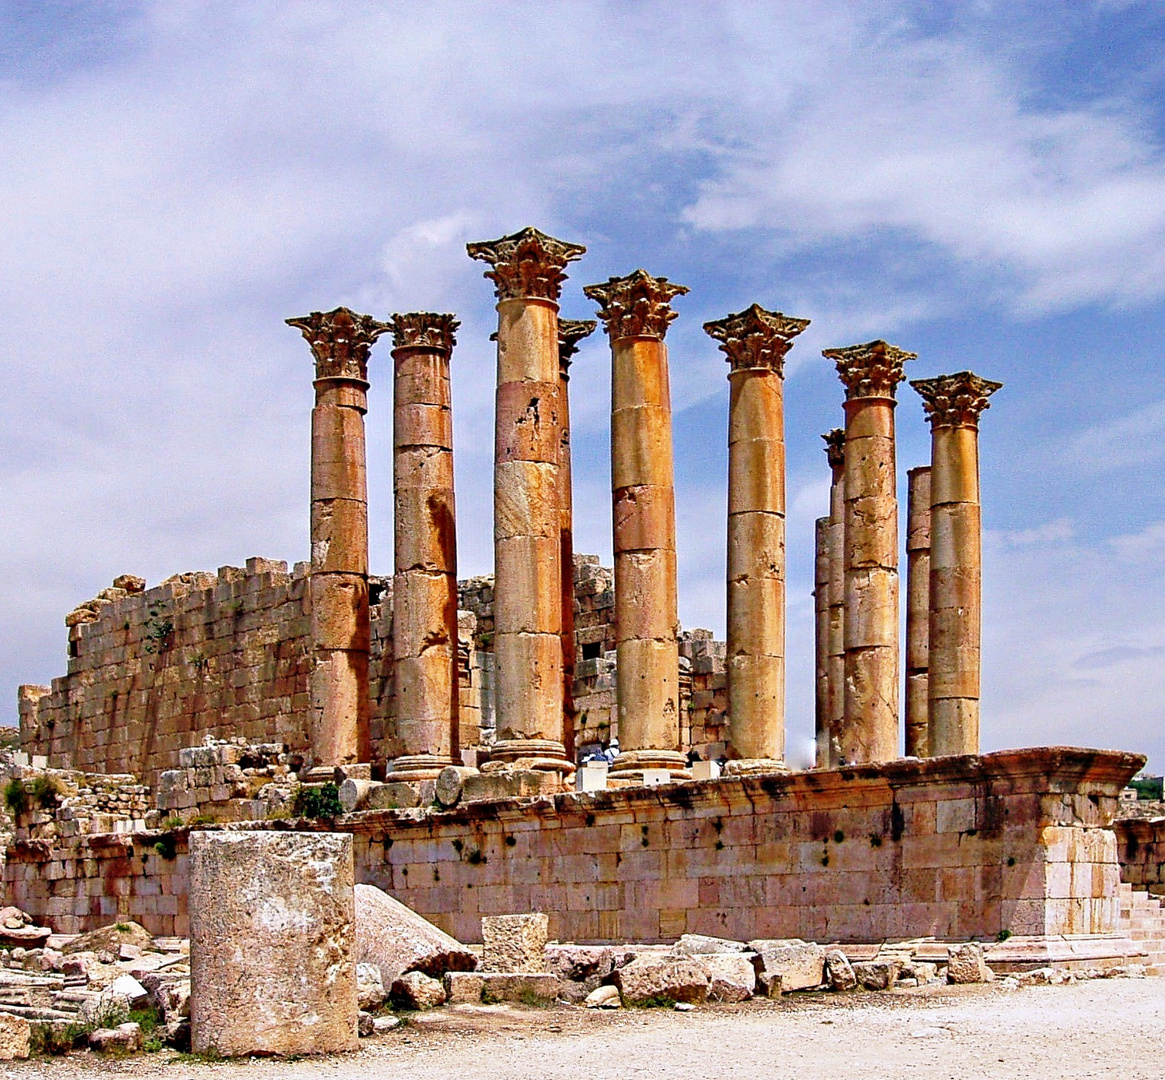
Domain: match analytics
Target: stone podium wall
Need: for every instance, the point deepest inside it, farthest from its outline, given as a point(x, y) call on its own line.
point(1141, 849)
point(954, 848)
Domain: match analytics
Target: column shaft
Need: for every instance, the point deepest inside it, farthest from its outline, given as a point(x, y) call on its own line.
point(917, 611)
point(821, 615)
point(424, 638)
point(835, 450)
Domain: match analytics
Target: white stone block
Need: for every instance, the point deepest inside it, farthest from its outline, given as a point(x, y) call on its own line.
point(655, 777)
point(705, 770)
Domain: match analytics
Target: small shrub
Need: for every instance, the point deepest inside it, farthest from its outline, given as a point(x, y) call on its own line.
point(122, 927)
point(1003, 935)
point(53, 1040)
point(16, 797)
point(173, 823)
point(167, 846)
point(318, 802)
point(47, 792)
point(657, 1001)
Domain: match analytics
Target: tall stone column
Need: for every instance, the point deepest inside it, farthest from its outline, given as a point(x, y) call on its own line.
point(570, 333)
point(828, 757)
point(341, 630)
point(424, 622)
point(917, 609)
point(870, 373)
point(755, 342)
point(953, 404)
point(821, 640)
point(636, 312)
point(527, 271)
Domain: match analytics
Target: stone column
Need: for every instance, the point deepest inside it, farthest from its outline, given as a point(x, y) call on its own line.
point(917, 609)
point(341, 630)
point(835, 454)
point(953, 404)
point(528, 274)
point(636, 312)
point(821, 640)
point(570, 333)
point(424, 621)
point(870, 726)
point(755, 342)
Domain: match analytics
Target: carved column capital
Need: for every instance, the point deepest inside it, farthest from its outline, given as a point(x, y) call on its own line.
point(527, 265)
point(870, 370)
point(340, 341)
point(955, 400)
point(637, 305)
point(756, 338)
point(424, 330)
point(835, 447)
point(570, 333)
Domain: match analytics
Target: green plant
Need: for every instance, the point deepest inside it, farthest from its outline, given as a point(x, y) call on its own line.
point(167, 846)
point(16, 797)
point(53, 1039)
point(1003, 935)
point(317, 802)
point(47, 792)
point(657, 1001)
point(122, 927)
point(173, 823)
point(204, 819)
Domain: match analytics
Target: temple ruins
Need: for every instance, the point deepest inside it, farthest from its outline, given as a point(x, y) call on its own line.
point(548, 739)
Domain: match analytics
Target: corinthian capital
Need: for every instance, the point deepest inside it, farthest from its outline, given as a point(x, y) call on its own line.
point(340, 341)
point(528, 264)
point(570, 333)
point(424, 330)
point(870, 370)
point(637, 305)
point(955, 400)
point(756, 338)
point(835, 447)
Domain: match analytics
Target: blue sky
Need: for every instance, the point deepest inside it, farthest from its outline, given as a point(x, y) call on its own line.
point(981, 183)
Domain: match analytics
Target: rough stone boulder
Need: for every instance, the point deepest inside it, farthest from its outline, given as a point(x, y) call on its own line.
point(965, 964)
point(702, 945)
point(416, 991)
point(109, 939)
point(370, 991)
point(839, 972)
point(733, 976)
point(123, 1039)
point(397, 940)
point(877, 974)
point(14, 1037)
point(650, 979)
point(580, 969)
point(800, 964)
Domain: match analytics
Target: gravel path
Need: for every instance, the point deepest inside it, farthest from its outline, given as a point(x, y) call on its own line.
point(1093, 1029)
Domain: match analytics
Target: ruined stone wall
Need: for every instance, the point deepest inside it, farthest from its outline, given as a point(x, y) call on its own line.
point(1141, 850)
point(1018, 841)
point(228, 655)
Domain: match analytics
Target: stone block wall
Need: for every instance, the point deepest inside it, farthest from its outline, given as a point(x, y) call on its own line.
point(1141, 850)
point(1019, 841)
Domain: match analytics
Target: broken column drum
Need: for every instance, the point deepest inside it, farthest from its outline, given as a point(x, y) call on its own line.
point(756, 342)
point(916, 706)
point(341, 630)
point(869, 731)
point(424, 622)
point(570, 333)
point(828, 755)
point(527, 271)
point(953, 405)
point(636, 312)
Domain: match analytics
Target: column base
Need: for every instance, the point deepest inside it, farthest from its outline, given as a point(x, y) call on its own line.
point(754, 767)
point(544, 755)
point(629, 765)
point(336, 774)
point(417, 767)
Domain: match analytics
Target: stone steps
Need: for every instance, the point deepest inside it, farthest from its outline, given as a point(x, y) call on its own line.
point(1143, 920)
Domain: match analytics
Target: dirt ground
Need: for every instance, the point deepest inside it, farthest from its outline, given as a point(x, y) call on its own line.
point(1106, 1028)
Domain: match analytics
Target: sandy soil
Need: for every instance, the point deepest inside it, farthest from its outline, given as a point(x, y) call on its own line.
point(1105, 1028)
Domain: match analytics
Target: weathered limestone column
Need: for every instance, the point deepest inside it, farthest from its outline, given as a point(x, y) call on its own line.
point(636, 312)
point(821, 640)
point(424, 622)
point(341, 630)
point(570, 333)
point(828, 757)
point(870, 373)
point(917, 609)
point(272, 943)
point(528, 275)
point(953, 404)
point(755, 342)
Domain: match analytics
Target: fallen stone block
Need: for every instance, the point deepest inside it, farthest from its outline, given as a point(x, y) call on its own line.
point(701, 945)
point(464, 987)
point(604, 997)
point(131, 990)
point(396, 939)
point(965, 964)
point(522, 988)
point(839, 973)
point(654, 980)
point(393, 795)
point(800, 964)
point(447, 789)
point(383, 1024)
point(369, 986)
point(733, 976)
point(576, 963)
point(413, 990)
point(15, 1032)
point(272, 943)
point(123, 1039)
point(364, 1024)
point(508, 784)
point(877, 974)
point(514, 943)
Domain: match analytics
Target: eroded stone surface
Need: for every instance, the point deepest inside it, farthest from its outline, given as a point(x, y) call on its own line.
point(800, 964)
point(14, 1037)
point(514, 943)
point(655, 978)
